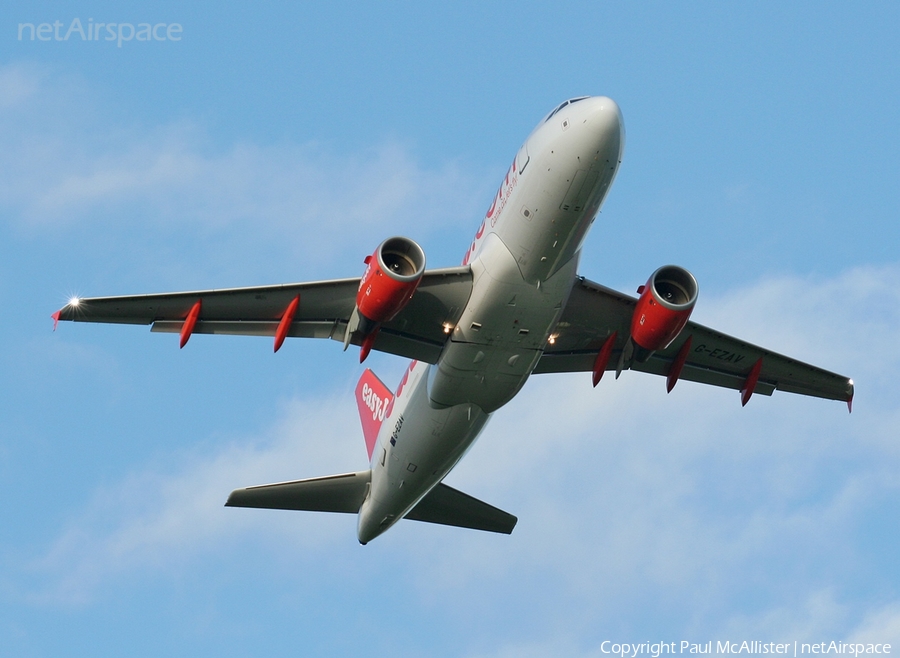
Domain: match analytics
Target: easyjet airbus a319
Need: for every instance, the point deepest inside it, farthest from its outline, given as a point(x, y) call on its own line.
point(476, 333)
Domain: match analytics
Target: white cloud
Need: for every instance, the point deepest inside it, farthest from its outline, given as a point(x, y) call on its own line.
point(555, 647)
point(66, 164)
point(811, 316)
point(630, 496)
point(165, 518)
point(18, 83)
point(820, 617)
point(880, 625)
point(812, 617)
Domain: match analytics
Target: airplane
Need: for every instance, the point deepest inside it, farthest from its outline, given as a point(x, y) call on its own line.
point(475, 333)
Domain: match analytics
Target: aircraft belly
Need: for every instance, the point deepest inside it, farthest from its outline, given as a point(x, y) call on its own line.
point(502, 331)
point(483, 375)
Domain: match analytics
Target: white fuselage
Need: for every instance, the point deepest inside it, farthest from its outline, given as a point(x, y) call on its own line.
point(523, 259)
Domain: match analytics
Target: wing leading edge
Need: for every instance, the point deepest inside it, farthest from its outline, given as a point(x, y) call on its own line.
point(594, 312)
point(418, 331)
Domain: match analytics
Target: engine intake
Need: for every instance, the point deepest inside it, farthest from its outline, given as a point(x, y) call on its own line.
point(664, 307)
point(392, 275)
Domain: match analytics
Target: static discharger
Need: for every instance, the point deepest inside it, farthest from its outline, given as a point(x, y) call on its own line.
point(678, 365)
point(750, 384)
point(189, 322)
point(603, 357)
point(285, 324)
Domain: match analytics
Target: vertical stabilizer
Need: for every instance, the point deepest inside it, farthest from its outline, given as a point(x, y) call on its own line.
point(374, 401)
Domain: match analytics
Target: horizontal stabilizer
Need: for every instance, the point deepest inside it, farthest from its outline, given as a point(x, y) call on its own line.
point(447, 506)
point(332, 493)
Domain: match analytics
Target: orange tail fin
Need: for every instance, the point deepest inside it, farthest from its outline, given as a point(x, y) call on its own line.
point(374, 400)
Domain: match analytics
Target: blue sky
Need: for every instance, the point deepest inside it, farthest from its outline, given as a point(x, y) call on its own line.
point(282, 143)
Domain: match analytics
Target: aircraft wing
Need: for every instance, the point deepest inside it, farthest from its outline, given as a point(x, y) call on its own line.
point(593, 312)
point(322, 312)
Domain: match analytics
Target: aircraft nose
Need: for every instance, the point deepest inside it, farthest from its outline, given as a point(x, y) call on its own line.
point(603, 118)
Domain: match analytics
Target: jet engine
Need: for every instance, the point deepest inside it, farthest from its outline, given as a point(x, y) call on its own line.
point(392, 275)
point(662, 310)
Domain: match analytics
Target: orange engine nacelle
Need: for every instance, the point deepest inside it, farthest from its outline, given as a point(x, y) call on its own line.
point(392, 275)
point(663, 309)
